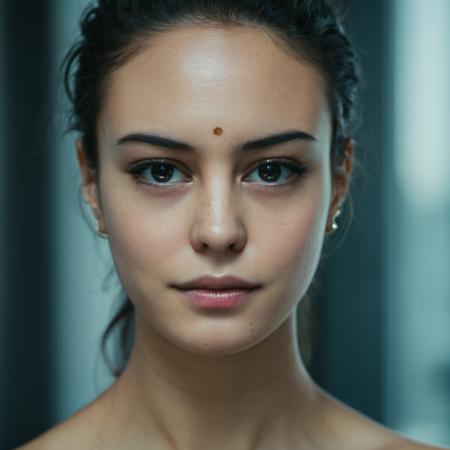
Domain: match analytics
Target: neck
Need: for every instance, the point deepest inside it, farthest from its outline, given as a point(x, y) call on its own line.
point(261, 396)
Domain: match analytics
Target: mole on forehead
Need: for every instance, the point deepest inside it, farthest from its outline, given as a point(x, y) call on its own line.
point(218, 131)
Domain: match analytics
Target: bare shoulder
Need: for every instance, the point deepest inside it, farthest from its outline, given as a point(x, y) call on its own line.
point(73, 433)
point(351, 430)
point(408, 444)
point(52, 439)
point(49, 440)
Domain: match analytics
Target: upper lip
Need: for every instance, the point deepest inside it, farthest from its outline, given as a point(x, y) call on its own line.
point(217, 283)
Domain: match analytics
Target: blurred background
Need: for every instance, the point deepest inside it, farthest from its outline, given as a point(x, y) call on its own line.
point(381, 334)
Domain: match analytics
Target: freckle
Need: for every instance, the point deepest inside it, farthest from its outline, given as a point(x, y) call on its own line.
point(218, 131)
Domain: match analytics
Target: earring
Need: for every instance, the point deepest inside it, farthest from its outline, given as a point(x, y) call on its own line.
point(99, 233)
point(334, 225)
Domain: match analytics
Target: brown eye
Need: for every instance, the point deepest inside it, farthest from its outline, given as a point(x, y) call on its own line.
point(272, 171)
point(161, 172)
point(158, 173)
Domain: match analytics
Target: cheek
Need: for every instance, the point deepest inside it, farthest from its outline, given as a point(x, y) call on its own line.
point(142, 236)
point(291, 242)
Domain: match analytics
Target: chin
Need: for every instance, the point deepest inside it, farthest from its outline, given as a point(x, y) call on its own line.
point(216, 339)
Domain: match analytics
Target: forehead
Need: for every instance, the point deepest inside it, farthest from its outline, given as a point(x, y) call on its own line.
point(194, 76)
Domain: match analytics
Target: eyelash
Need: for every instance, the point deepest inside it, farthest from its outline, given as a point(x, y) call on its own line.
point(136, 170)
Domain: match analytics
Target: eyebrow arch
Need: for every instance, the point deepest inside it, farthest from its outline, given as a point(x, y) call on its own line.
point(258, 144)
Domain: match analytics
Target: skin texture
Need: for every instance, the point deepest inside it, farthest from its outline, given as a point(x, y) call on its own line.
point(226, 380)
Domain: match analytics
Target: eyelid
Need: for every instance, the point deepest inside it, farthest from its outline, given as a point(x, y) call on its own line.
point(149, 161)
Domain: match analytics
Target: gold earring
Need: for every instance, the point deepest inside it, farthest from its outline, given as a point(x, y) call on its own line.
point(99, 233)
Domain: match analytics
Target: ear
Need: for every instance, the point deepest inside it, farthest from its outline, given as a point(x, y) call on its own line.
point(341, 180)
point(90, 185)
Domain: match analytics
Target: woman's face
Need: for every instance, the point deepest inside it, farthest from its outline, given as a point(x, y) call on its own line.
point(214, 209)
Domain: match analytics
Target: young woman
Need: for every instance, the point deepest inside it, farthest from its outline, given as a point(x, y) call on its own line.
point(216, 154)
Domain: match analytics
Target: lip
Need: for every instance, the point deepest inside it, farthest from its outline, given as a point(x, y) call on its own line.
point(213, 299)
point(217, 283)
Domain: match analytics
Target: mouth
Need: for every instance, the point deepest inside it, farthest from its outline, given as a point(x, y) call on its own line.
point(218, 298)
point(211, 282)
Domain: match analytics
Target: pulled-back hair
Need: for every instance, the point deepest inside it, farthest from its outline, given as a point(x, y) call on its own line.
point(112, 31)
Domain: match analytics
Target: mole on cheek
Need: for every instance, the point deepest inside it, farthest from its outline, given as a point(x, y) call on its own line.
point(218, 131)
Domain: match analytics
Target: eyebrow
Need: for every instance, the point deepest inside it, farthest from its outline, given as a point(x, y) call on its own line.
point(258, 144)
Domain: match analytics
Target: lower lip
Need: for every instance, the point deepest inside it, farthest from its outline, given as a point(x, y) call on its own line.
point(226, 299)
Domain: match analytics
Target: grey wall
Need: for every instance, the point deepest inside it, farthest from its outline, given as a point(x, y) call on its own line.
point(3, 311)
point(349, 329)
point(417, 264)
point(83, 304)
point(26, 225)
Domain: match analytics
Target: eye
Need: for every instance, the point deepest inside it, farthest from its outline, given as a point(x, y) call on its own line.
point(160, 173)
point(272, 170)
point(156, 172)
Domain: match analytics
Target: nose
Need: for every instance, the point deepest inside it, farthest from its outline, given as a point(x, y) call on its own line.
point(218, 225)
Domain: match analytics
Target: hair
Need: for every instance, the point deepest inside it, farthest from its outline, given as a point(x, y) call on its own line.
point(112, 31)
